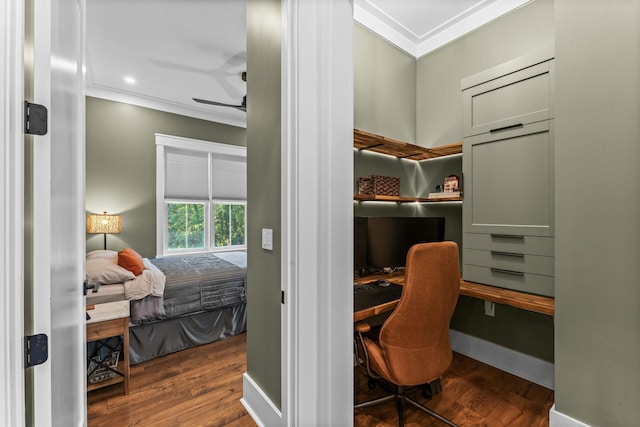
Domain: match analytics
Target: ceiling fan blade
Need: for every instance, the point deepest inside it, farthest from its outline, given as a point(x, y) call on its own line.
point(241, 107)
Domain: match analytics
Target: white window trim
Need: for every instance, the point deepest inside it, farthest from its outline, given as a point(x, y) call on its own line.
point(162, 142)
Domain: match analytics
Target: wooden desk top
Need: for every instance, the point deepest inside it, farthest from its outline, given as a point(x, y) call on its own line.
point(521, 300)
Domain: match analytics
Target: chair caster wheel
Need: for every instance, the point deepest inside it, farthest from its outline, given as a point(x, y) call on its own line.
point(371, 384)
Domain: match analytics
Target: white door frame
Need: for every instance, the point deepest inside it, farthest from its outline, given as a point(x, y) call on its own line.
point(11, 213)
point(317, 212)
point(59, 213)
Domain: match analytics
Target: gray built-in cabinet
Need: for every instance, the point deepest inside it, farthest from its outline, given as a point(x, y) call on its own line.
point(508, 151)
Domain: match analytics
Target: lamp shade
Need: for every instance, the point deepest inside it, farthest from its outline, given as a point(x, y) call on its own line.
point(104, 223)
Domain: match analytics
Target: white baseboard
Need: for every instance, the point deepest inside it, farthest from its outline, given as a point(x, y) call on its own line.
point(558, 419)
point(522, 365)
point(258, 404)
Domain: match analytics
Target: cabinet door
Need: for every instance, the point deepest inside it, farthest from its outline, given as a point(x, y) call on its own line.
point(514, 99)
point(508, 181)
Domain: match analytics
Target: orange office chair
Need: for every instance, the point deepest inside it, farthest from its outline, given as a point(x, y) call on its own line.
point(413, 348)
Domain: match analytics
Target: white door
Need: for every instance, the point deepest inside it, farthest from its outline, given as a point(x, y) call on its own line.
point(54, 216)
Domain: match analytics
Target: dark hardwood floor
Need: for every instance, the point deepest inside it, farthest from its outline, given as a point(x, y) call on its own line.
point(202, 387)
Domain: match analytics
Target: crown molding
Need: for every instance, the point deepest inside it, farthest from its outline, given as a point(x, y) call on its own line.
point(418, 46)
point(238, 119)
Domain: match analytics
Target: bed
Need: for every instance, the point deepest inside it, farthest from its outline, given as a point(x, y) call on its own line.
point(176, 302)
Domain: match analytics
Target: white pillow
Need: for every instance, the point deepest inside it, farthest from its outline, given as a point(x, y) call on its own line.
point(102, 269)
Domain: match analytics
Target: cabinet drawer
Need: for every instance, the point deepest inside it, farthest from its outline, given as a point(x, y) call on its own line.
point(532, 245)
point(525, 282)
point(513, 262)
point(514, 99)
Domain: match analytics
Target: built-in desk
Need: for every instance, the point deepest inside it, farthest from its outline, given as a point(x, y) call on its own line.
point(521, 300)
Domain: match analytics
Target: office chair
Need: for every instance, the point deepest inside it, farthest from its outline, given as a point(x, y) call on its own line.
point(413, 347)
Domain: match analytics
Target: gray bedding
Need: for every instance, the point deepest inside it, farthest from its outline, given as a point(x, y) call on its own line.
point(195, 283)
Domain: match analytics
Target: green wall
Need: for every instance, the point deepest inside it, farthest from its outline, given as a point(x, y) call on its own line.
point(385, 104)
point(598, 211)
point(384, 87)
point(263, 186)
point(438, 121)
point(121, 165)
point(439, 102)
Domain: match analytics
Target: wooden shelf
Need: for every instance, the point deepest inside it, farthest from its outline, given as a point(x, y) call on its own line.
point(380, 144)
point(530, 302)
point(401, 199)
point(536, 303)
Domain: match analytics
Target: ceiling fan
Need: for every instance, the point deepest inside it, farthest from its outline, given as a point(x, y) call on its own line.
point(241, 107)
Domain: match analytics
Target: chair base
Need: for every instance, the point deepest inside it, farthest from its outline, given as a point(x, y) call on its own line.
point(400, 399)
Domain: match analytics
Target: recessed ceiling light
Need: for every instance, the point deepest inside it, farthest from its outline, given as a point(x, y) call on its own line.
point(129, 80)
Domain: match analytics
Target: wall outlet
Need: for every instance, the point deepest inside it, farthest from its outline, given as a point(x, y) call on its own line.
point(490, 308)
point(267, 239)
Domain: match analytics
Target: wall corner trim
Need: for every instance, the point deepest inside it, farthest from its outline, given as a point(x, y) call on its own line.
point(558, 419)
point(522, 365)
point(258, 404)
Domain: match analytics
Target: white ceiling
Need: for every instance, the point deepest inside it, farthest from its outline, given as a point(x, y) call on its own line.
point(176, 50)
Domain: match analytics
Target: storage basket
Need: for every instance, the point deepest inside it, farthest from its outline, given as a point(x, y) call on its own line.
point(373, 185)
point(98, 373)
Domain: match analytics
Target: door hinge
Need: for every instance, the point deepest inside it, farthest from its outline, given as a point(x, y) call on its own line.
point(282, 297)
point(35, 119)
point(36, 350)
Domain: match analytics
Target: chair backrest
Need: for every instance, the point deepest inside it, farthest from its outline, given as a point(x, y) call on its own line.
point(415, 337)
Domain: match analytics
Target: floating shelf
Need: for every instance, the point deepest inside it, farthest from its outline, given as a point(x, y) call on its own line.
point(401, 199)
point(380, 144)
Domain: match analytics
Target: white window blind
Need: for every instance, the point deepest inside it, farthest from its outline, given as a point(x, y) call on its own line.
point(186, 175)
point(229, 178)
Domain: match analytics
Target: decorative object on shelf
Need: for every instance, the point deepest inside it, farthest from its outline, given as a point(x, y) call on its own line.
point(104, 224)
point(445, 195)
point(451, 184)
point(379, 185)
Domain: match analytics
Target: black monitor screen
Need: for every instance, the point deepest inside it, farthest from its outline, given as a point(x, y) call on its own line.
point(388, 239)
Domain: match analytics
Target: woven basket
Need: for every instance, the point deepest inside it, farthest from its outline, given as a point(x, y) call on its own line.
point(373, 185)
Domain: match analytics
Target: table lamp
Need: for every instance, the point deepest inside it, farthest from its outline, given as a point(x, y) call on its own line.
point(105, 224)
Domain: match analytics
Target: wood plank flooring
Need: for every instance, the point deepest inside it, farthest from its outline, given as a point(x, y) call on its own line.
point(202, 387)
point(473, 394)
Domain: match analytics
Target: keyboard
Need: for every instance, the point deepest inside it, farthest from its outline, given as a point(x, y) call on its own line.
point(359, 287)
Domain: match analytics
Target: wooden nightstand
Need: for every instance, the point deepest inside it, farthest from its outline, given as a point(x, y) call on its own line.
point(110, 320)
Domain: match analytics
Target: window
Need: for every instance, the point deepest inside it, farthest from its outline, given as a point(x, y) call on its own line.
point(185, 226)
point(200, 196)
point(229, 224)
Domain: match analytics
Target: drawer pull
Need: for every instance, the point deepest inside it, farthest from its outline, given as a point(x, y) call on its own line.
point(507, 236)
point(513, 273)
point(502, 129)
point(513, 254)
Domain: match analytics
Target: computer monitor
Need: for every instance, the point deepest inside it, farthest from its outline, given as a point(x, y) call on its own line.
point(388, 239)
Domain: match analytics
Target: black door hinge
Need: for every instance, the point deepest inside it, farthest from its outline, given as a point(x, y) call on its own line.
point(35, 119)
point(282, 297)
point(36, 350)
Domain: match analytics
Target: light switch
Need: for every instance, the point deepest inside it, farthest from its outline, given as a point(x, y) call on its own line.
point(267, 239)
